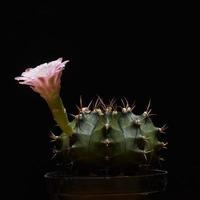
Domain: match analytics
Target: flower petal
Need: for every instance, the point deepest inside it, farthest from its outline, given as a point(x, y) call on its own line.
point(45, 78)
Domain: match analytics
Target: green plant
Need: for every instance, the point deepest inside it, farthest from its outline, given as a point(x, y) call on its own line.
point(101, 138)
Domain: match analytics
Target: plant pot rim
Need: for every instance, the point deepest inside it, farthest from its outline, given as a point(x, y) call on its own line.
point(63, 184)
point(60, 175)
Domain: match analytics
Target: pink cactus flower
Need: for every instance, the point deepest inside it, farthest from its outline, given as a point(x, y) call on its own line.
point(44, 79)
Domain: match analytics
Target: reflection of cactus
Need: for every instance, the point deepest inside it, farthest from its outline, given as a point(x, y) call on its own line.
point(106, 138)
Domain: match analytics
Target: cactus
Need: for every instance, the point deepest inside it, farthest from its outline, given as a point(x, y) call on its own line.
point(101, 137)
point(109, 139)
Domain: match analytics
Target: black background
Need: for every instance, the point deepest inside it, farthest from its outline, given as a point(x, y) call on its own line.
point(139, 52)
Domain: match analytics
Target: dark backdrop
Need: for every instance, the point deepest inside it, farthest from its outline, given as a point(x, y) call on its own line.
point(114, 50)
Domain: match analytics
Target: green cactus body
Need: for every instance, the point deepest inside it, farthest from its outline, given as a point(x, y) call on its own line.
point(117, 139)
